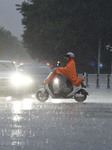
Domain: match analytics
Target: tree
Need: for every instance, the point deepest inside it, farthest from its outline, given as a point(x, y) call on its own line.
point(54, 27)
point(10, 47)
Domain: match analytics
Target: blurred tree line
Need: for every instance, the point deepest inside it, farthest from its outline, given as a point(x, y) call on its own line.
point(11, 48)
point(54, 27)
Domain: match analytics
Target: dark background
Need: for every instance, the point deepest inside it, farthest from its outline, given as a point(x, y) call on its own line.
point(54, 27)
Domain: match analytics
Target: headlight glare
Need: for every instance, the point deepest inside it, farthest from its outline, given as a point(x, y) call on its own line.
point(18, 80)
point(56, 81)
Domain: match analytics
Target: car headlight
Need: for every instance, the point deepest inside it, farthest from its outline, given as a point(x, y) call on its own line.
point(18, 79)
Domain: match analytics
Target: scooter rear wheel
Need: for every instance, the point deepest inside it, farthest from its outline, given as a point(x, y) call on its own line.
point(80, 96)
point(42, 97)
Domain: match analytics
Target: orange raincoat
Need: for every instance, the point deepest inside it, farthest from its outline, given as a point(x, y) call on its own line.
point(69, 71)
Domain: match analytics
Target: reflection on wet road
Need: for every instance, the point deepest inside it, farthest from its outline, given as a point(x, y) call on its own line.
point(30, 125)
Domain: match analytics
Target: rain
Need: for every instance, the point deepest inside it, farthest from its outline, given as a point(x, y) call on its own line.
point(37, 38)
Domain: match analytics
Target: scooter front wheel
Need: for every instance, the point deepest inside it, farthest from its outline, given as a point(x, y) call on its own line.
point(42, 97)
point(80, 96)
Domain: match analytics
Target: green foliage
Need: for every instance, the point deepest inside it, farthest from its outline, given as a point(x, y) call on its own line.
point(54, 27)
point(10, 47)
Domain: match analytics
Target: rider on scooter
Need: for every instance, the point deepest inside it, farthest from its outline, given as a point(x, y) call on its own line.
point(68, 71)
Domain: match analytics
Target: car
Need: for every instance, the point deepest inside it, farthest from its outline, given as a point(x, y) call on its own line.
point(9, 79)
point(36, 73)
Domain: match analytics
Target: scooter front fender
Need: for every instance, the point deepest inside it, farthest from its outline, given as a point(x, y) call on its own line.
point(48, 90)
point(42, 90)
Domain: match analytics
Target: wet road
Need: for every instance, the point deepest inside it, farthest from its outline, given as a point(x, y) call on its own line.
point(29, 125)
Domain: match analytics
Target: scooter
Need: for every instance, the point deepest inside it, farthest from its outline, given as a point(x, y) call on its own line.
point(58, 89)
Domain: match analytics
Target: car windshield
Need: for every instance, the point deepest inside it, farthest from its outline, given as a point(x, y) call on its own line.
point(6, 67)
point(36, 69)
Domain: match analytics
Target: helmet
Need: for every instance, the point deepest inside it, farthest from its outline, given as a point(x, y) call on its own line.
point(70, 54)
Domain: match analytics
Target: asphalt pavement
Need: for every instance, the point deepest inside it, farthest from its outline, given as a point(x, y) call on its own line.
point(55, 125)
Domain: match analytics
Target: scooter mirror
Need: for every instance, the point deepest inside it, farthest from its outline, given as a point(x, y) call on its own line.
point(58, 63)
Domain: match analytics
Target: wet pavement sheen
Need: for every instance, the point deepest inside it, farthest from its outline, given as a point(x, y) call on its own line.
point(29, 125)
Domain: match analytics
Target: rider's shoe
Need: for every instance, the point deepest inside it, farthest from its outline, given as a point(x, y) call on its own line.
point(83, 85)
point(84, 75)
